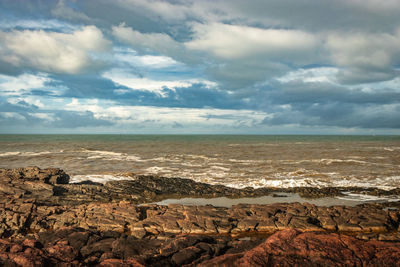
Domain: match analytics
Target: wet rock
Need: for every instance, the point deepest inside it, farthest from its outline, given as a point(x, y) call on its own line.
point(49, 222)
point(51, 186)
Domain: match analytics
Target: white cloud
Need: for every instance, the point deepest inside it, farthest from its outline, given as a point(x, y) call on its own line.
point(166, 116)
point(44, 116)
point(153, 61)
point(236, 42)
point(368, 57)
point(134, 82)
point(158, 42)
point(146, 61)
point(164, 9)
point(12, 115)
point(10, 85)
point(374, 5)
point(66, 12)
point(364, 50)
point(52, 51)
point(322, 75)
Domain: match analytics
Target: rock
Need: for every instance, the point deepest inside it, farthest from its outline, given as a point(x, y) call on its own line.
point(48, 221)
point(21, 216)
point(63, 252)
point(97, 248)
point(129, 247)
point(49, 186)
point(49, 176)
point(284, 248)
point(32, 243)
point(185, 256)
point(120, 263)
point(294, 248)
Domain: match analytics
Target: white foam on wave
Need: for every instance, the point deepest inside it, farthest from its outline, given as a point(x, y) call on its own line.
point(248, 161)
point(156, 169)
point(202, 157)
point(327, 161)
point(217, 174)
point(110, 155)
point(98, 178)
point(7, 154)
point(332, 161)
point(392, 148)
point(24, 154)
point(384, 183)
point(189, 164)
point(220, 168)
point(166, 159)
point(367, 198)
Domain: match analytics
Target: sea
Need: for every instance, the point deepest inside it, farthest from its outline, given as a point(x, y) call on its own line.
point(233, 160)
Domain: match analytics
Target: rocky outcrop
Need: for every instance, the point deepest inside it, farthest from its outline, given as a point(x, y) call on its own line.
point(294, 248)
point(31, 182)
point(78, 247)
point(49, 176)
point(50, 186)
point(21, 216)
point(47, 222)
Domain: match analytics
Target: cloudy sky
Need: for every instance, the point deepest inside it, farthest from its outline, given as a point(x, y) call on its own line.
point(190, 66)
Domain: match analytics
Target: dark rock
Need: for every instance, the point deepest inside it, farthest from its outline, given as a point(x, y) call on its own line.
point(49, 186)
point(186, 255)
point(120, 263)
point(285, 248)
point(97, 248)
point(49, 222)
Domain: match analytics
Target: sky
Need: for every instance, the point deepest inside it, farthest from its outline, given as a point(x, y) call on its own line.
point(200, 67)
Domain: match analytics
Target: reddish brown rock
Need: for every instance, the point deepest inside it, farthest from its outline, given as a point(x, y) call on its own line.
point(285, 248)
point(295, 248)
point(120, 263)
point(62, 251)
point(45, 222)
point(21, 216)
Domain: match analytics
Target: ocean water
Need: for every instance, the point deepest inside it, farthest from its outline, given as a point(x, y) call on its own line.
point(237, 161)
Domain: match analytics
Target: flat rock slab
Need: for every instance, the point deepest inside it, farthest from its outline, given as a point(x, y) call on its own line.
point(21, 216)
point(47, 222)
point(79, 247)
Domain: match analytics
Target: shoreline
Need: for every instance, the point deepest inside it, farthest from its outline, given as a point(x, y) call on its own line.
point(62, 218)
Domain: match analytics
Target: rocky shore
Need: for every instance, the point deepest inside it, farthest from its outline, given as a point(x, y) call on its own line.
point(46, 221)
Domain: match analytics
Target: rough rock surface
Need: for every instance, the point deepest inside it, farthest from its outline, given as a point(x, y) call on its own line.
point(45, 222)
point(78, 247)
point(31, 182)
point(294, 248)
point(50, 186)
point(20, 216)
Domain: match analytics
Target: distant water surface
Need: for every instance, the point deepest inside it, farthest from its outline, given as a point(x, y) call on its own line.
point(238, 161)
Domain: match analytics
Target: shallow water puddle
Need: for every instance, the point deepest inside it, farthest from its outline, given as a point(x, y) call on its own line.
point(283, 197)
